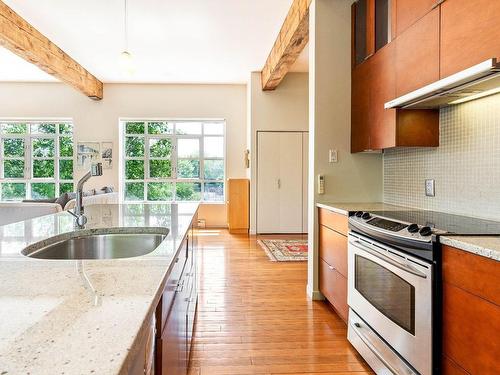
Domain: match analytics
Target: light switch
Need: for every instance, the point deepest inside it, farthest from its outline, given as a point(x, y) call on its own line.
point(333, 156)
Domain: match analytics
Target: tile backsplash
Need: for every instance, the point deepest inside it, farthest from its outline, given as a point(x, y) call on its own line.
point(466, 165)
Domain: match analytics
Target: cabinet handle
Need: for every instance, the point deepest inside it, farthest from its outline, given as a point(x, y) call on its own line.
point(279, 183)
point(331, 268)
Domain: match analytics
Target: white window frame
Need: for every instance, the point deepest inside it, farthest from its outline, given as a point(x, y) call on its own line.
point(28, 158)
point(174, 179)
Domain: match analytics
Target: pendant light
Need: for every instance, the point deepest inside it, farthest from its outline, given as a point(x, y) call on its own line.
point(126, 58)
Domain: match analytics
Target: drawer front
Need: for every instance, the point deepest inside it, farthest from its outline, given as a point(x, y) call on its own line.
point(469, 323)
point(171, 287)
point(333, 220)
point(334, 287)
point(476, 274)
point(333, 249)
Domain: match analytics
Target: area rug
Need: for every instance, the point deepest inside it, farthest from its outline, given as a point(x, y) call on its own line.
point(285, 250)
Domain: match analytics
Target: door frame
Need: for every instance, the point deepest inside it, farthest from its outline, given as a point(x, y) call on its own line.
point(302, 132)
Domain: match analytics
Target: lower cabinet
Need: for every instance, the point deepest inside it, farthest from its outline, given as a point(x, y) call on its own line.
point(333, 259)
point(177, 313)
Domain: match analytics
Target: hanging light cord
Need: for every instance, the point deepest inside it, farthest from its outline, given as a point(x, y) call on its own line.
point(125, 24)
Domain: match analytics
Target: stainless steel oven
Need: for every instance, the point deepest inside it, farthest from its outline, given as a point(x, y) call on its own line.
point(390, 294)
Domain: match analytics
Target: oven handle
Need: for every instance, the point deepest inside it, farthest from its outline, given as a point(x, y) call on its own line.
point(355, 327)
point(394, 262)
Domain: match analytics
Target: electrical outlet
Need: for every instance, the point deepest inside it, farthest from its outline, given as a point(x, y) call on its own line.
point(430, 188)
point(333, 156)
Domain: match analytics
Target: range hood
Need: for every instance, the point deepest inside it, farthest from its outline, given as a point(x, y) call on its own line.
point(475, 82)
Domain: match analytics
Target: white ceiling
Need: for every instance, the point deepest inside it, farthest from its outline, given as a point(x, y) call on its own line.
point(172, 41)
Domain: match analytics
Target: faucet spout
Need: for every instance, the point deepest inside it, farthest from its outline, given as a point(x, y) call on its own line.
point(95, 170)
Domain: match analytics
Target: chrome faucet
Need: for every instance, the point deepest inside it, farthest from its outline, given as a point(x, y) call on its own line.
point(80, 218)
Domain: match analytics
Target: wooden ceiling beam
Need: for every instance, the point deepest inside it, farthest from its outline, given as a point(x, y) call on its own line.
point(24, 40)
point(292, 38)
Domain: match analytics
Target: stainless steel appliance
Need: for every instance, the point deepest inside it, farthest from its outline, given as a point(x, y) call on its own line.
point(394, 286)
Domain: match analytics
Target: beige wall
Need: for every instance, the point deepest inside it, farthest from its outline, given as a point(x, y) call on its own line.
point(356, 177)
point(98, 120)
point(284, 109)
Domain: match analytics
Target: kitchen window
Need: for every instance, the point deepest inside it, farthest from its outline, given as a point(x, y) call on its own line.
point(36, 159)
point(179, 160)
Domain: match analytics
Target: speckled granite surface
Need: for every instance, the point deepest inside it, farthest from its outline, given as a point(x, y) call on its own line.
point(486, 246)
point(345, 208)
point(52, 323)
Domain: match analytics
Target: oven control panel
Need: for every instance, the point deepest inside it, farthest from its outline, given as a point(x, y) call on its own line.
point(392, 227)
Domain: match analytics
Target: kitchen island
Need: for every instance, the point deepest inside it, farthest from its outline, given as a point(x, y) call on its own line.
point(88, 316)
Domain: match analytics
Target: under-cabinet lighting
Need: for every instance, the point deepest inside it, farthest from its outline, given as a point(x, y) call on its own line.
point(496, 90)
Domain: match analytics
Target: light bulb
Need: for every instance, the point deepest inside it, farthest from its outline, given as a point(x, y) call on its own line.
point(127, 62)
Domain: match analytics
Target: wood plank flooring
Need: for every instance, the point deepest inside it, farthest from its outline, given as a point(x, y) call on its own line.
point(254, 316)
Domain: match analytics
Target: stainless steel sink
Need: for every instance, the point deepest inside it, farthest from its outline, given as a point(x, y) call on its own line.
point(92, 245)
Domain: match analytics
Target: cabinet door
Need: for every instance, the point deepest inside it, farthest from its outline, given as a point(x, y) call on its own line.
point(360, 107)
point(383, 89)
point(410, 11)
point(417, 54)
point(469, 33)
point(334, 287)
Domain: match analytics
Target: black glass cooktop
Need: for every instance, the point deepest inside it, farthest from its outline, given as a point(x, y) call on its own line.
point(441, 221)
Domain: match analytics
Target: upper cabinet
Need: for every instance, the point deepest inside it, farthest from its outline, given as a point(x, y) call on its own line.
point(417, 54)
point(360, 19)
point(407, 12)
point(468, 33)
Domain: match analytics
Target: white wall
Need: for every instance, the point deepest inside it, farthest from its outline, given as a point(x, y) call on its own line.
point(284, 109)
point(356, 177)
point(98, 120)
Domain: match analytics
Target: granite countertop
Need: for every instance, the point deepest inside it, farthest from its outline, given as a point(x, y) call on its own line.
point(486, 246)
point(344, 208)
point(51, 322)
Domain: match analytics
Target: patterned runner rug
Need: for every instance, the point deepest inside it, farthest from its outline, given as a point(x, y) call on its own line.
point(285, 250)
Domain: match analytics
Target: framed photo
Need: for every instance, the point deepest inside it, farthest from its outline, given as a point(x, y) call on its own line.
point(86, 154)
point(107, 155)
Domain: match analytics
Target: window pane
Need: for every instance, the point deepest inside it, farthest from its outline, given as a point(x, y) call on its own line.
point(214, 169)
point(188, 168)
point(160, 169)
point(214, 128)
point(66, 169)
point(134, 128)
point(14, 128)
point(13, 169)
point(160, 148)
point(66, 146)
point(214, 147)
point(65, 187)
point(13, 147)
point(160, 191)
point(188, 191)
point(134, 147)
point(214, 191)
point(188, 128)
point(43, 148)
point(43, 128)
point(43, 168)
point(134, 169)
point(134, 191)
point(65, 128)
point(43, 190)
point(160, 128)
point(188, 148)
point(13, 191)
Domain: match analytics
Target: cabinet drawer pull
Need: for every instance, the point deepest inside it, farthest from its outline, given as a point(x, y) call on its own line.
point(331, 267)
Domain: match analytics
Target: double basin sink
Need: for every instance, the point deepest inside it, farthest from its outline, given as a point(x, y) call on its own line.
point(111, 243)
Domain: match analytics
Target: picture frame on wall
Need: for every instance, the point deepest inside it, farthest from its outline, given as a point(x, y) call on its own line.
point(86, 154)
point(107, 155)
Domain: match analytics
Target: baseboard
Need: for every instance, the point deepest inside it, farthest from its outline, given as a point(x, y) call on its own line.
point(315, 295)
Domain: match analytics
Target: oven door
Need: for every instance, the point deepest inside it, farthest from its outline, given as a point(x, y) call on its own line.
point(392, 293)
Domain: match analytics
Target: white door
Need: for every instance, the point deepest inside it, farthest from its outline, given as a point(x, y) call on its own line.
point(280, 182)
point(305, 176)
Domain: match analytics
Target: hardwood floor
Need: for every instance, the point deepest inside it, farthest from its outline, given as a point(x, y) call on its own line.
point(254, 316)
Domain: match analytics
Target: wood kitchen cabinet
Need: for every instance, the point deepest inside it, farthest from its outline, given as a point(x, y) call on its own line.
point(333, 259)
point(176, 312)
point(471, 313)
point(417, 54)
point(468, 34)
point(407, 12)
